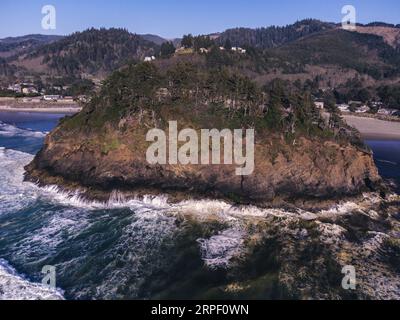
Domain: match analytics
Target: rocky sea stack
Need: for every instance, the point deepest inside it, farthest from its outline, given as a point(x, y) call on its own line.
point(300, 152)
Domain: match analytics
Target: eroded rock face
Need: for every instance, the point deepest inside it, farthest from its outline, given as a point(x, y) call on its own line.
point(116, 159)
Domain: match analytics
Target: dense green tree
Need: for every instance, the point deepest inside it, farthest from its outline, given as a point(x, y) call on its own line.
point(272, 37)
point(218, 59)
point(167, 49)
point(390, 96)
point(202, 42)
point(187, 41)
point(94, 50)
point(228, 44)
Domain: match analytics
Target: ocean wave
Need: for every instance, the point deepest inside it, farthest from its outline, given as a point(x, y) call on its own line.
point(8, 130)
point(218, 251)
point(16, 287)
point(62, 218)
point(387, 162)
point(14, 193)
point(12, 171)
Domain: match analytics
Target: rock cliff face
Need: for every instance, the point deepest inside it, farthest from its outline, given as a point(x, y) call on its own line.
point(310, 169)
point(102, 150)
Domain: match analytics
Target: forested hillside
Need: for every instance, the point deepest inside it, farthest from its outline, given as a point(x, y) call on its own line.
point(273, 36)
point(93, 51)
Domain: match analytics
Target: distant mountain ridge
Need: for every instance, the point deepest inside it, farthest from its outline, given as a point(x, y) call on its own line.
point(273, 36)
point(306, 49)
point(154, 38)
point(17, 45)
point(31, 37)
point(92, 51)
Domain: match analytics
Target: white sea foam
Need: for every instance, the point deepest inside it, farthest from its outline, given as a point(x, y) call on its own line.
point(13, 186)
point(139, 250)
point(61, 225)
point(218, 250)
point(151, 225)
point(15, 287)
point(14, 193)
point(388, 162)
point(8, 130)
point(56, 195)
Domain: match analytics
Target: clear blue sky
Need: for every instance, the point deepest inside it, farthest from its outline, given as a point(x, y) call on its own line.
point(172, 18)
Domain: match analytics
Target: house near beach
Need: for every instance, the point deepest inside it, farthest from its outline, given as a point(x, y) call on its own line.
point(363, 109)
point(29, 90)
point(343, 107)
point(15, 87)
point(53, 97)
point(387, 111)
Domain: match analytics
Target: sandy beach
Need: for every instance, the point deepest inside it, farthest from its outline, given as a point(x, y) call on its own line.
point(41, 109)
point(374, 129)
point(38, 106)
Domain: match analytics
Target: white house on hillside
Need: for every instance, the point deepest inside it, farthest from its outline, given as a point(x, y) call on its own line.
point(149, 59)
point(238, 49)
point(319, 105)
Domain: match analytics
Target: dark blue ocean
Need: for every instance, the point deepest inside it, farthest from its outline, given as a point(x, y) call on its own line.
point(120, 250)
point(387, 159)
point(124, 249)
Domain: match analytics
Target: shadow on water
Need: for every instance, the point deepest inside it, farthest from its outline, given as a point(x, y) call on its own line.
point(387, 159)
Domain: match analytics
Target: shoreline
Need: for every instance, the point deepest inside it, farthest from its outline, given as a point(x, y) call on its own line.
point(374, 129)
point(34, 106)
point(369, 128)
point(42, 179)
point(55, 109)
point(372, 116)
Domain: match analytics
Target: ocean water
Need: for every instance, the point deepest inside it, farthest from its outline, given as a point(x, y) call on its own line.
point(135, 249)
point(100, 251)
point(25, 131)
point(387, 159)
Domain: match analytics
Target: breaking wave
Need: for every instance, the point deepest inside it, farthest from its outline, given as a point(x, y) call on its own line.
point(8, 130)
point(98, 247)
point(218, 250)
point(16, 287)
point(387, 162)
